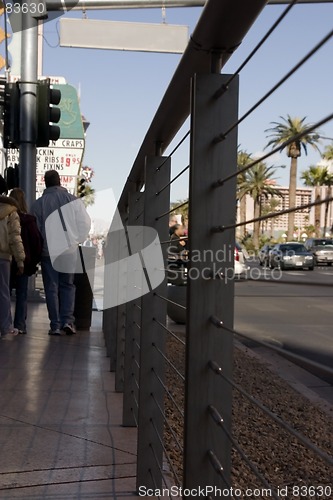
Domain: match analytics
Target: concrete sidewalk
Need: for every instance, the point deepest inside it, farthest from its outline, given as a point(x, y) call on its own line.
point(60, 421)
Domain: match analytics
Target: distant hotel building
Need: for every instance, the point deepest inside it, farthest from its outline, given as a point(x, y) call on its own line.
point(303, 218)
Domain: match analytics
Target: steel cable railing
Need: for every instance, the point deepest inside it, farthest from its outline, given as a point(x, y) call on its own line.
point(169, 362)
point(174, 150)
point(172, 210)
point(219, 421)
point(155, 327)
point(257, 47)
point(218, 467)
point(273, 215)
point(306, 442)
point(181, 341)
point(222, 136)
point(173, 180)
point(174, 435)
point(279, 350)
point(170, 396)
point(171, 301)
point(166, 454)
point(279, 148)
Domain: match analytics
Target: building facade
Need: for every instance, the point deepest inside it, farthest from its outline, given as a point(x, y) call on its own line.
point(303, 218)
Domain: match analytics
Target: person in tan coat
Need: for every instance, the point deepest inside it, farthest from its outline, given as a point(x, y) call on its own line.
point(10, 246)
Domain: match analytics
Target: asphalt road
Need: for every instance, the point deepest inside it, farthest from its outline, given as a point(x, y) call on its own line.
point(292, 310)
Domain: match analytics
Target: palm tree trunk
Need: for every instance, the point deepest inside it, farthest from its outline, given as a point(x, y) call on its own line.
point(327, 204)
point(242, 215)
point(256, 225)
point(317, 212)
point(292, 197)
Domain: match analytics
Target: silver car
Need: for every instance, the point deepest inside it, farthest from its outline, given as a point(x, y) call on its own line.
point(291, 255)
point(322, 249)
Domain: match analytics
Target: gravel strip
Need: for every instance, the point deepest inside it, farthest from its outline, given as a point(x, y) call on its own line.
point(279, 457)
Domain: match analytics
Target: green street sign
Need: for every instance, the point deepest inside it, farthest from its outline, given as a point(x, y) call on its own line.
point(70, 123)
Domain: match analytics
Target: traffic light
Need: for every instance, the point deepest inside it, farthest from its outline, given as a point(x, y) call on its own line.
point(47, 113)
point(81, 187)
point(11, 115)
point(12, 176)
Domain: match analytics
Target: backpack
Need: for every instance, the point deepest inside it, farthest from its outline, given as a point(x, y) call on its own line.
point(32, 241)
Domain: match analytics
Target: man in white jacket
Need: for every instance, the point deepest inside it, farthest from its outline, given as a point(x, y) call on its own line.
point(64, 223)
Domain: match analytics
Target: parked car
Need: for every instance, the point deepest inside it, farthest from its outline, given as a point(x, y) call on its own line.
point(291, 255)
point(264, 253)
point(177, 280)
point(322, 250)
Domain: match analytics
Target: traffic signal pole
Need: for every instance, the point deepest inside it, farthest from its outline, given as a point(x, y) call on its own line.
point(29, 60)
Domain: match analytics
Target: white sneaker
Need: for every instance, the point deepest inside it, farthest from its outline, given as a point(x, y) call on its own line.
point(10, 335)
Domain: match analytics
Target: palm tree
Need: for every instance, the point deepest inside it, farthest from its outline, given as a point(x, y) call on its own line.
point(328, 155)
point(316, 176)
point(89, 196)
point(258, 183)
point(285, 131)
point(243, 159)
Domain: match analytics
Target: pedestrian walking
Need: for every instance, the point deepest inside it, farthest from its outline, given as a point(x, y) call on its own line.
point(33, 243)
point(10, 245)
point(178, 242)
point(64, 223)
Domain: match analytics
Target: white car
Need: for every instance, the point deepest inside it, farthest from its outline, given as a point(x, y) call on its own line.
point(241, 267)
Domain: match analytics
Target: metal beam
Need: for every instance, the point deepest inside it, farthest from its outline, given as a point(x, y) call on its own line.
point(55, 5)
point(58, 5)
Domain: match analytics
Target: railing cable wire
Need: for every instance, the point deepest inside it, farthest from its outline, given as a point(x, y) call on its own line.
point(165, 452)
point(169, 331)
point(278, 149)
point(172, 210)
point(304, 440)
point(279, 350)
point(170, 301)
point(172, 180)
point(174, 150)
point(169, 362)
point(257, 47)
point(180, 447)
point(272, 215)
point(168, 393)
point(218, 419)
point(222, 136)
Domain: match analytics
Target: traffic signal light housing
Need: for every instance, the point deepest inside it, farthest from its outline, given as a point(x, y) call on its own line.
point(11, 115)
point(48, 114)
point(81, 187)
point(12, 176)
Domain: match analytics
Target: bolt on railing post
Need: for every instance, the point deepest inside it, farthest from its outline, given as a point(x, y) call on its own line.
point(150, 424)
point(210, 286)
point(132, 329)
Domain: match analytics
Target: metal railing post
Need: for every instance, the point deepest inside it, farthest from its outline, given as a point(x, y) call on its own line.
point(210, 288)
point(110, 315)
point(132, 330)
point(151, 394)
point(121, 319)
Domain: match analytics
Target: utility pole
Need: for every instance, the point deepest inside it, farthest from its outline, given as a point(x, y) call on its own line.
point(28, 133)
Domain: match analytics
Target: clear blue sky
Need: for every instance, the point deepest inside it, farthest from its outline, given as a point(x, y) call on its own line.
point(120, 91)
